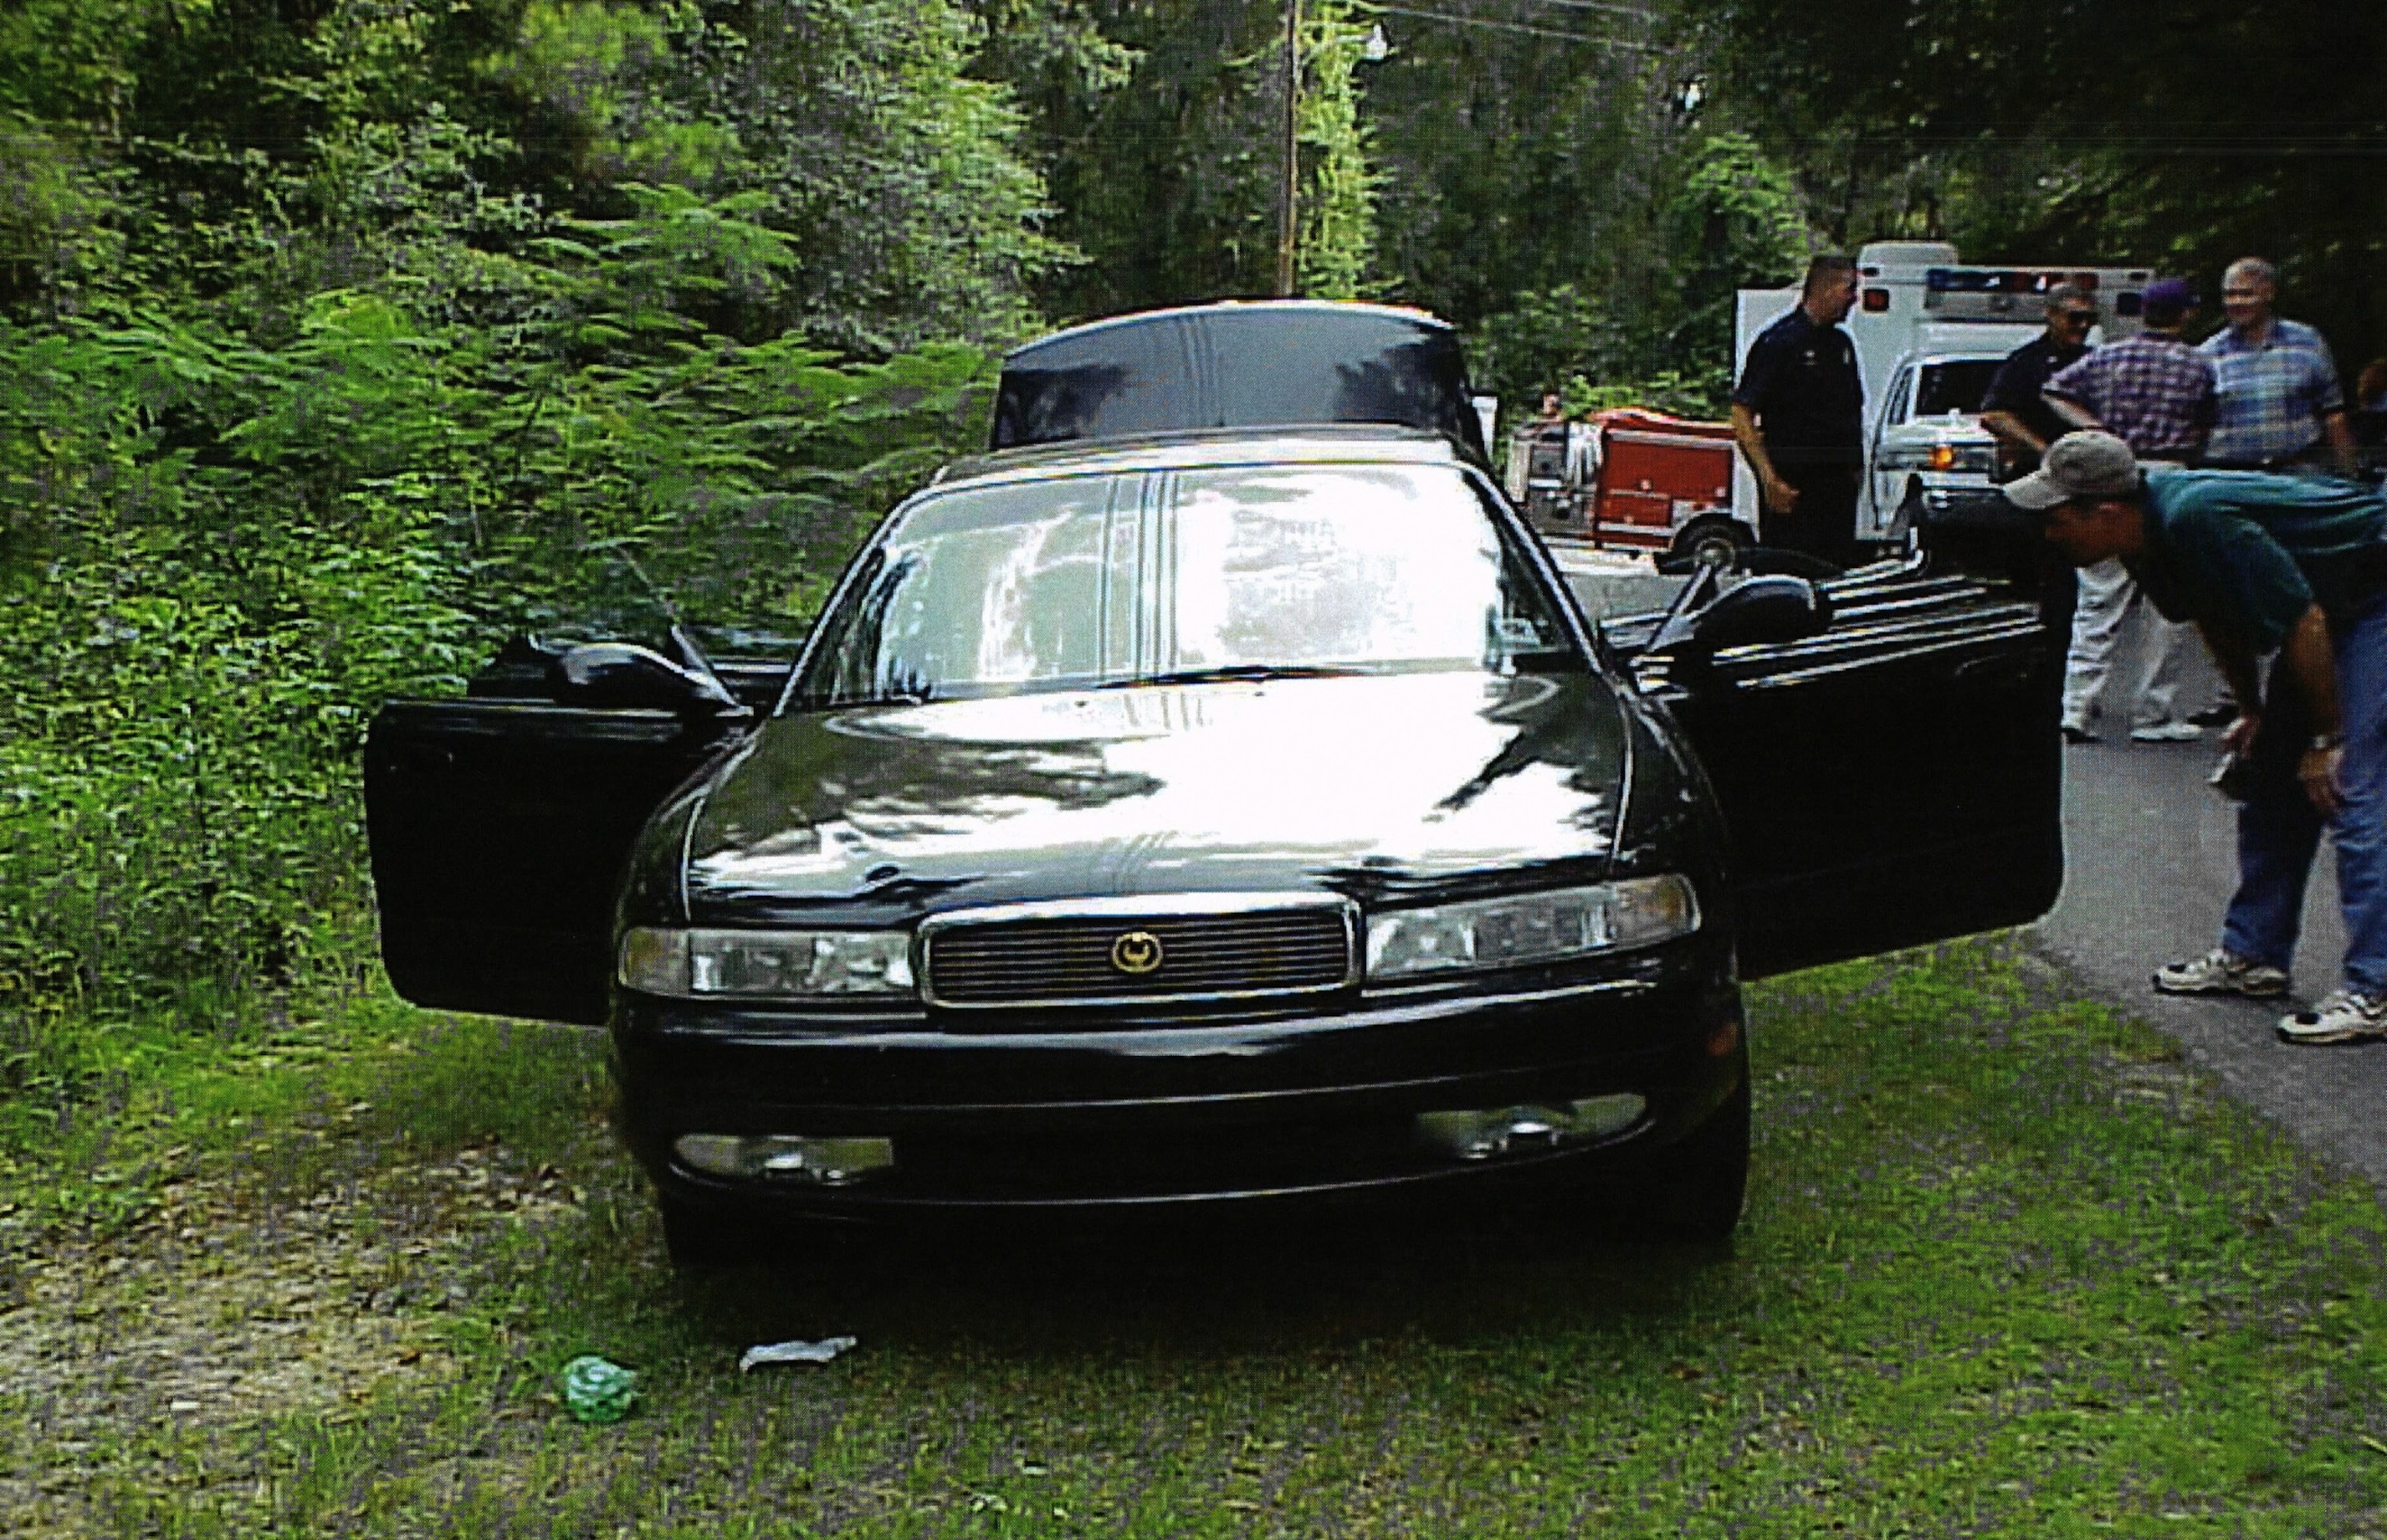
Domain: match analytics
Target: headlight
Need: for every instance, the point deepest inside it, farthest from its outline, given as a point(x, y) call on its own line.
point(1980, 459)
point(1529, 928)
point(765, 964)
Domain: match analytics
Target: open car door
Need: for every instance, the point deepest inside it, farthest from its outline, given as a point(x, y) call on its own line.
point(500, 831)
point(1893, 779)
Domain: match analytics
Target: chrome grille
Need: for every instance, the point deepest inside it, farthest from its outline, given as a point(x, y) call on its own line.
point(1211, 947)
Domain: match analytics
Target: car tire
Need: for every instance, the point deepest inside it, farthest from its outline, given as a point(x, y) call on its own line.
point(1716, 540)
point(704, 1240)
point(1696, 1187)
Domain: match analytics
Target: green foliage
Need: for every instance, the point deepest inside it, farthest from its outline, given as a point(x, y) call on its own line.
point(1737, 223)
point(1544, 188)
point(221, 556)
point(1517, 164)
point(1703, 394)
point(277, 147)
point(891, 170)
point(1170, 181)
point(42, 209)
point(1057, 59)
point(66, 61)
point(1337, 209)
point(370, 389)
point(1734, 221)
point(580, 59)
point(1541, 339)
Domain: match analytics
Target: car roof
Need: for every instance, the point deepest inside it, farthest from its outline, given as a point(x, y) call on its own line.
point(1060, 341)
point(1357, 444)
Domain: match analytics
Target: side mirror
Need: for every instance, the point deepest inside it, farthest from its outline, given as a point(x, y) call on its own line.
point(1762, 610)
point(618, 674)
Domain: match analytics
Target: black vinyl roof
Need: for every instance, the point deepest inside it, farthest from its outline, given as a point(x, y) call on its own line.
point(1257, 364)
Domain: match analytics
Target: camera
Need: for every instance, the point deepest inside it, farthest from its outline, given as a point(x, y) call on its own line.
point(2230, 776)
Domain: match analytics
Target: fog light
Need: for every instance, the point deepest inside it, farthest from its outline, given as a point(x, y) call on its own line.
point(1492, 1133)
point(785, 1156)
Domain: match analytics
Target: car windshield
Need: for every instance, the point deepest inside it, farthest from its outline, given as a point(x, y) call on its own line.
point(1245, 572)
point(1957, 385)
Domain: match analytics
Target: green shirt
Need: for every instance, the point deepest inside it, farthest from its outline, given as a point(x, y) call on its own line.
point(2249, 551)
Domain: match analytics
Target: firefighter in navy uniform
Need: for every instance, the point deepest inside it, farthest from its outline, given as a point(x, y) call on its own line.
point(1798, 413)
point(2013, 410)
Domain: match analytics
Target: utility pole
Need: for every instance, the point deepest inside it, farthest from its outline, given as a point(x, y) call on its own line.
point(1286, 211)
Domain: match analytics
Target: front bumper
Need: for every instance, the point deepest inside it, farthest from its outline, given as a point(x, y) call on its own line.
point(1886, 514)
point(1323, 1102)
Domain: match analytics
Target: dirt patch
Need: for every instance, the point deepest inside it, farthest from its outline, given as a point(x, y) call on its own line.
point(228, 1306)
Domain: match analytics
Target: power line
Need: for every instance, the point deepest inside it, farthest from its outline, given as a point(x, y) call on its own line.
point(1633, 11)
point(1517, 27)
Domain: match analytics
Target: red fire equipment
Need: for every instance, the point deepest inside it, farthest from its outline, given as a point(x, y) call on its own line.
point(1658, 477)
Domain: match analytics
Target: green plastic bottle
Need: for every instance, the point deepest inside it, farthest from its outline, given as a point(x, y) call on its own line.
point(595, 1390)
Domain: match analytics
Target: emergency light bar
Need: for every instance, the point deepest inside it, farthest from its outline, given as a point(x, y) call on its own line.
point(1990, 281)
point(2000, 294)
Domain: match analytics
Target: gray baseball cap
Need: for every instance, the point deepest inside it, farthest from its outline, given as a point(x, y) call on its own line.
point(2083, 465)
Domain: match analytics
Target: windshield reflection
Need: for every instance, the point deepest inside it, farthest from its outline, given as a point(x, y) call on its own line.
point(1240, 572)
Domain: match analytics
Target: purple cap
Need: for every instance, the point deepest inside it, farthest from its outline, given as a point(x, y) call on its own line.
point(2170, 293)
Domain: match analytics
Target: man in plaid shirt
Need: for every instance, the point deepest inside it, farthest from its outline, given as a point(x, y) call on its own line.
point(2155, 393)
point(2152, 391)
point(2279, 406)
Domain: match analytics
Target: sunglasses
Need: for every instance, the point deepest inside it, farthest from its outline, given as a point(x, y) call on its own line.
point(2077, 318)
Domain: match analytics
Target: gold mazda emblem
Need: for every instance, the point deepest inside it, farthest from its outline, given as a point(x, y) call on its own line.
point(1137, 952)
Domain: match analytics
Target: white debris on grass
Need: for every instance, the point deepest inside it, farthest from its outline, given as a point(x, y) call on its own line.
point(818, 1352)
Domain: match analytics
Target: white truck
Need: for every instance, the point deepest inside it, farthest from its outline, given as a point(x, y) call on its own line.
point(1931, 333)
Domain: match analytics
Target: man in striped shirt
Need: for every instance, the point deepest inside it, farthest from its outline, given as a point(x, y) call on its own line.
point(2279, 406)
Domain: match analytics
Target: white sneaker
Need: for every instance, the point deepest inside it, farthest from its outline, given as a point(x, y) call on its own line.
point(2166, 731)
point(2219, 972)
point(2348, 1016)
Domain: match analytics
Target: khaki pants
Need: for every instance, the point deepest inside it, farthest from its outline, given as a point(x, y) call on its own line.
point(2107, 595)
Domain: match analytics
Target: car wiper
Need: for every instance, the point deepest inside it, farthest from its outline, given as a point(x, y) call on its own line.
point(848, 702)
point(1228, 672)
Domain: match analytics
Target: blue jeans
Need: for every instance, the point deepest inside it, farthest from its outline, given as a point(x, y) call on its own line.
point(2278, 830)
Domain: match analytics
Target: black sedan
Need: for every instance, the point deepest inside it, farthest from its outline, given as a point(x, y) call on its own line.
point(1241, 814)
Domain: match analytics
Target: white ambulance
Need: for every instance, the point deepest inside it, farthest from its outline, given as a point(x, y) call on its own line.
point(1931, 333)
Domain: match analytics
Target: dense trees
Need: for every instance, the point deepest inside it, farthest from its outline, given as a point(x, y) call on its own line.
point(1166, 167)
point(338, 340)
point(1551, 188)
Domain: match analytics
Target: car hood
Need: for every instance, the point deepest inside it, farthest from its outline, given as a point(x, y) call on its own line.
point(1937, 430)
point(1439, 783)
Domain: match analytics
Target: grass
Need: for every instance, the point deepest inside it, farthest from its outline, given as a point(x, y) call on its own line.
point(2008, 1269)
